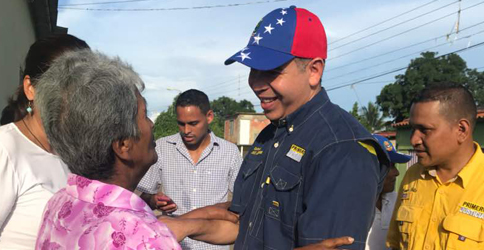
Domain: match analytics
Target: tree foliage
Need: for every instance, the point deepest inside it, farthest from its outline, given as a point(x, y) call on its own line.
point(369, 116)
point(166, 124)
point(224, 107)
point(396, 98)
point(355, 112)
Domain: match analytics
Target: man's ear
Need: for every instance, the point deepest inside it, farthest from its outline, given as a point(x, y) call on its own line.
point(315, 68)
point(122, 149)
point(210, 116)
point(28, 88)
point(464, 130)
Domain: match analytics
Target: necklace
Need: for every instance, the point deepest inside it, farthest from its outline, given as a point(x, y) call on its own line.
point(42, 145)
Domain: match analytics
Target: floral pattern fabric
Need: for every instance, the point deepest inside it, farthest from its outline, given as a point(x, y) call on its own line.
point(89, 214)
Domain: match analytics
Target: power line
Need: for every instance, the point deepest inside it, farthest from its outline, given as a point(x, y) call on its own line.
point(174, 8)
point(396, 59)
point(399, 69)
point(227, 91)
point(395, 25)
point(366, 68)
point(380, 23)
point(403, 48)
point(98, 3)
point(404, 32)
point(363, 69)
point(374, 57)
point(224, 83)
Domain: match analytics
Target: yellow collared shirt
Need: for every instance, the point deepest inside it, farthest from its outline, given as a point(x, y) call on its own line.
point(431, 215)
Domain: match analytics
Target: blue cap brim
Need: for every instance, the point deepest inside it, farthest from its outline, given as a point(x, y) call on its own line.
point(398, 158)
point(260, 58)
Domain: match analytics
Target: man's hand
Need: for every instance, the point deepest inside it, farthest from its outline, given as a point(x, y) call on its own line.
point(160, 201)
point(329, 244)
point(164, 203)
point(217, 211)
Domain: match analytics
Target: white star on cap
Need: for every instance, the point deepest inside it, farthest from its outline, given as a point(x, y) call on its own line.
point(280, 21)
point(244, 56)
point(268, 28)
point(283, 12)
point(257, 39)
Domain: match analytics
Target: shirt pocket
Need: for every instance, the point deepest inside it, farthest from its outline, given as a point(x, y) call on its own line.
point(245, 186)
point(465, 232)
point(282, 202)
point(406, 218)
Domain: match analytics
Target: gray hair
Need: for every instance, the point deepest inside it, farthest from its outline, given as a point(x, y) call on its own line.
point(87, 101)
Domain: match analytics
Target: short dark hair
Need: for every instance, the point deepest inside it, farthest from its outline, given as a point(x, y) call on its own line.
point(456, 101)
point(193, 97)
point(38, 60)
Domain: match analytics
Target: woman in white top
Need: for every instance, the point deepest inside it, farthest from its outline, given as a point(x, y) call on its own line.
point(29, 171)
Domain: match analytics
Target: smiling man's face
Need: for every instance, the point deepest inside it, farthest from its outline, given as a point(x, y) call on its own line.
point(282, 90)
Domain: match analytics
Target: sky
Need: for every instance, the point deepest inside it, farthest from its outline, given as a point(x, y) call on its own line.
point(178, 45)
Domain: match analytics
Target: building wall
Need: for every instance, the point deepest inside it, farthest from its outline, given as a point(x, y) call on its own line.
point(243, 129)
point(16, 35)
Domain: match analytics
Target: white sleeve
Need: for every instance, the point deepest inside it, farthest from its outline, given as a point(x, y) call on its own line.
point(9, 186)
point(234, 169)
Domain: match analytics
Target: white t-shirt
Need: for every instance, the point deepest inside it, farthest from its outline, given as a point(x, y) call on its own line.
point(29, 176)
point(378, 232)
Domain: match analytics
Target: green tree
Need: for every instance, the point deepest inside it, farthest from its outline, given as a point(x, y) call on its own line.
point(224, 107)
point(475, 83)
point(370, 117)
point(355, 112)
point(396, 98)
point(166, 124)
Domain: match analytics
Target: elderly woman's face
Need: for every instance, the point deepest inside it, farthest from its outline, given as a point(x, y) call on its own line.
point(144, 154)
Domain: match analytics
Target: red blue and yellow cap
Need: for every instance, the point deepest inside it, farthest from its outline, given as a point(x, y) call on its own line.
point(280, 36)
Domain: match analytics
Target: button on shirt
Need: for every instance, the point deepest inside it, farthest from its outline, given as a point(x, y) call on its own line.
point(190, 184)
point(89, 214)
point(430, 214)
point(312, 176)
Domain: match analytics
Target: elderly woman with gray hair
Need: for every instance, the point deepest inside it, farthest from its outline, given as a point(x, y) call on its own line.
point(95, 119)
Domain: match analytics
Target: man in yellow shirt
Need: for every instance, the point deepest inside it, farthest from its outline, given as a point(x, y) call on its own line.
point(440, 203)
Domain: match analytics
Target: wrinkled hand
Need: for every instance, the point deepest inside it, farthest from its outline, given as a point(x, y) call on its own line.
point(329, 244)
point(163, 203)
point(217, 211)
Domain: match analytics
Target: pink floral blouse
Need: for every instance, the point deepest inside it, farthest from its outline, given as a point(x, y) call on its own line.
point(89, 214)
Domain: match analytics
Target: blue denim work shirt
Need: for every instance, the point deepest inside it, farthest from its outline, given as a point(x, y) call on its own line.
point(315, 175)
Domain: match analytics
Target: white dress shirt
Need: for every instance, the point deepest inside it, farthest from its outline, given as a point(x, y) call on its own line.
point(378, 232)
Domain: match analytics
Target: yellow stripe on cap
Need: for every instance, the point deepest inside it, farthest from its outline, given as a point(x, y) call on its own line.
point(368, 147)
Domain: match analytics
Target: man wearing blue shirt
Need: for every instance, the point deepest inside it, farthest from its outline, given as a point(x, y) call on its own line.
point(314, 173)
